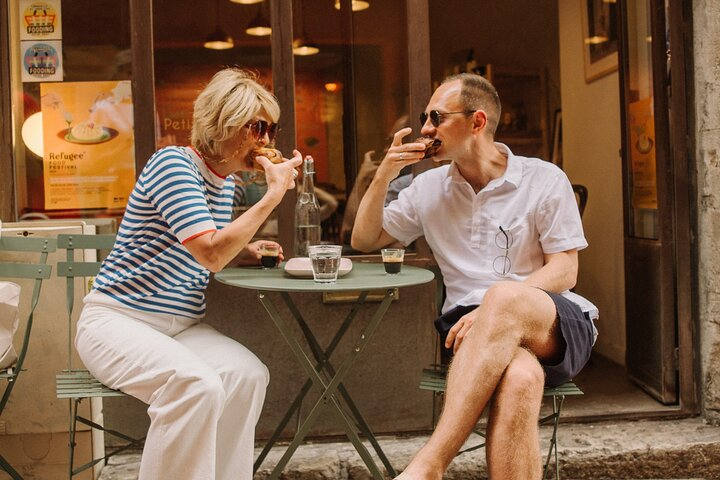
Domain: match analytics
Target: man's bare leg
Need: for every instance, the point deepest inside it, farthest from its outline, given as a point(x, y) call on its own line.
point(513, 449)
point(512, 315)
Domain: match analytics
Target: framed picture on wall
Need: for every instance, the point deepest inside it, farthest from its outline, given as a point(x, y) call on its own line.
point(600, 41)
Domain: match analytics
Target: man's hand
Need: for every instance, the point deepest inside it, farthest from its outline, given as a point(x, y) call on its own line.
point(459, 331)
point(250, 255)
point(400, 155)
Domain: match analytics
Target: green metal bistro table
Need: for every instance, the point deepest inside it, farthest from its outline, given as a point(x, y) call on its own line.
point(363, 278)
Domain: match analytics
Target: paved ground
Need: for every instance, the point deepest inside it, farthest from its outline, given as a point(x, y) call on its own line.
point(667, 449)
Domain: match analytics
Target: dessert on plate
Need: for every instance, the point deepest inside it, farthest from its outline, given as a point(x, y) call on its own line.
point(87, 131)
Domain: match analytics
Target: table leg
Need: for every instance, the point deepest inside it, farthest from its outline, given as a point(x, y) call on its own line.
point(323, 358)
point(327, 390)
point(308, 383)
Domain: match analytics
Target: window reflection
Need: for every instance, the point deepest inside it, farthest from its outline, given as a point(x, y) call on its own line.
point(348, 95)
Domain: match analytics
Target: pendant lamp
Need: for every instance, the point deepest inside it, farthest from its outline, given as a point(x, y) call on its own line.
point(357, 5)
point(218, 40)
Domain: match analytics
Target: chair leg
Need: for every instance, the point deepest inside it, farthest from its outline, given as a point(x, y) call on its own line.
point(74, 403)
point(4, 465)
point(558, 401)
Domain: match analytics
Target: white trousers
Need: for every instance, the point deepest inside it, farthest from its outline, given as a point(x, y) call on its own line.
point(205, 391)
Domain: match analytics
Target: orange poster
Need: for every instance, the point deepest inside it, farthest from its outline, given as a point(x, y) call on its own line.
point(642, 154)
point(89, 144)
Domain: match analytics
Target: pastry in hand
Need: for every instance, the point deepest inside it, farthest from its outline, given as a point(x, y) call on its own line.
point(270, 153)
point(432, 145)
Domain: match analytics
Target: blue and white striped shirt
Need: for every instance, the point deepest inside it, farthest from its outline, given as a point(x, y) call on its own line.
point(176, 198)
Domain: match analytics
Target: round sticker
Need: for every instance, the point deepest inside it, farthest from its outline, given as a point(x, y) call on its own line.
point(41, 60)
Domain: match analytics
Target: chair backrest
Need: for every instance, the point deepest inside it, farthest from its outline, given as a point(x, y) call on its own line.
point(36, 270)
point(71, 269)
point(581, 194)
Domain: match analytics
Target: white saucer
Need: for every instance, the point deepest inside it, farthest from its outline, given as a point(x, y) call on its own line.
point(300, 267)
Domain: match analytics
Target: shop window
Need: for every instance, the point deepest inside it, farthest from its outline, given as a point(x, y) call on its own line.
point(70, 62)
point(349, 92)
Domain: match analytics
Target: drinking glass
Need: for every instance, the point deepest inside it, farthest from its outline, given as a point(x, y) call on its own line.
point(325, 261)
point(270, 255)
point(393, 259)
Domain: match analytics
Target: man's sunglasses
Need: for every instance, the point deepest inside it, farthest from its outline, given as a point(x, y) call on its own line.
point(260, 127)
point(436, 117)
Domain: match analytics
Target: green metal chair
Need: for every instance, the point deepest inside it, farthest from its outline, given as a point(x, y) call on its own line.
point(37, 271)
point(434, 378)
point(77, 384)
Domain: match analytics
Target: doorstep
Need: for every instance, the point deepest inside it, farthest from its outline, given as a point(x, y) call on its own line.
point(661, 449)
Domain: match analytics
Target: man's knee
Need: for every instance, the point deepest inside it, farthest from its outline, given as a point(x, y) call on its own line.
point(503, 301)
point(523, 380)
point(506, 295)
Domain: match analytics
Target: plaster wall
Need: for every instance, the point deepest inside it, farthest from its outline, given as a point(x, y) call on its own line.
point(591, 156)
point(521, 33)
point(706, 42)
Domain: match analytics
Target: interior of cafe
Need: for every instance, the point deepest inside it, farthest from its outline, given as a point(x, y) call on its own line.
point(351, 75)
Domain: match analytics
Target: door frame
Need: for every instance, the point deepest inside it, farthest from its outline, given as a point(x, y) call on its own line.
point(678, 223)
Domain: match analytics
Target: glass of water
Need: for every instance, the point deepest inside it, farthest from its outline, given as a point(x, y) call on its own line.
point(325, 261)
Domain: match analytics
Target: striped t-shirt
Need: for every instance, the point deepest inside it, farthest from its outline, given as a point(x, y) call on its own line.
point(176, 198)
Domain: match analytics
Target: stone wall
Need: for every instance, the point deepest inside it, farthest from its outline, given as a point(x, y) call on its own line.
point(707, 130)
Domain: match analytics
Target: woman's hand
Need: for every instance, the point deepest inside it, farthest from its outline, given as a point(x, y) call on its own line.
point(251, 254)
point(280, 177)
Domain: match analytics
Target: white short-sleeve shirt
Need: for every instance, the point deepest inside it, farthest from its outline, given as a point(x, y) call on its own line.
point(499, 233)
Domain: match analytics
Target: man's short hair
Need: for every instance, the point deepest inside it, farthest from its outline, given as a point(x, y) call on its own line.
point(229, 101)
point(477, 93)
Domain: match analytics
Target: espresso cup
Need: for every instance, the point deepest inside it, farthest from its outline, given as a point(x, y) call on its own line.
point(269, 255)
point(393, 259)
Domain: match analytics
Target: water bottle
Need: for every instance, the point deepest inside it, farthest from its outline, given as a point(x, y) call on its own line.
point(307, 212)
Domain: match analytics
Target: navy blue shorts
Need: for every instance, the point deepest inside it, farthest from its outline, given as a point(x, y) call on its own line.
point(575, 327)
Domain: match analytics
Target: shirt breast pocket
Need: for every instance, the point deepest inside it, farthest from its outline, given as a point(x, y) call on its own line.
point(515, 245)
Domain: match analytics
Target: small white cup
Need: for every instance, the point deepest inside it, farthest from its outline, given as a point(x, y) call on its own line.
point(325, 261)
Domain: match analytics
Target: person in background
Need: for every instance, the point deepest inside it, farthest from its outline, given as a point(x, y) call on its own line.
point(365, 174)
point(141, 328)
point(505, 231)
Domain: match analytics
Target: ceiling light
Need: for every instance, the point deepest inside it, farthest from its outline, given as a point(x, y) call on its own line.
point(304, 48)
point(246, 2)
point(357, 5)
point(218, 40)
point(259, 26)
point(596, 40)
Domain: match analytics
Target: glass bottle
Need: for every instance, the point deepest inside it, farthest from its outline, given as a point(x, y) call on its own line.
point(307, 212)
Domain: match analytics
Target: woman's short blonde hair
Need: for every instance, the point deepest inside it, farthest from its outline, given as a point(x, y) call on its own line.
point(231, 100)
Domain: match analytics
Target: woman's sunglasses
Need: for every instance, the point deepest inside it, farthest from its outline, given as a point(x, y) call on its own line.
point(260, 127)
point(436, 117)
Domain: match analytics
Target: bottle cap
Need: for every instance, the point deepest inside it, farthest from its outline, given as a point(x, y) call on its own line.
point(309, 166)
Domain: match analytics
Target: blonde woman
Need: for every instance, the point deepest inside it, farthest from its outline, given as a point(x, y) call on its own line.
point(141, 329)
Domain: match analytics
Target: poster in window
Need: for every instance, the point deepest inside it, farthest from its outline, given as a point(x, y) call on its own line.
point(89, 144)
point(642, 154)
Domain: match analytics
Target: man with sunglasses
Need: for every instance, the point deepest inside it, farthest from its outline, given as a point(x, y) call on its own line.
point(505, 231)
